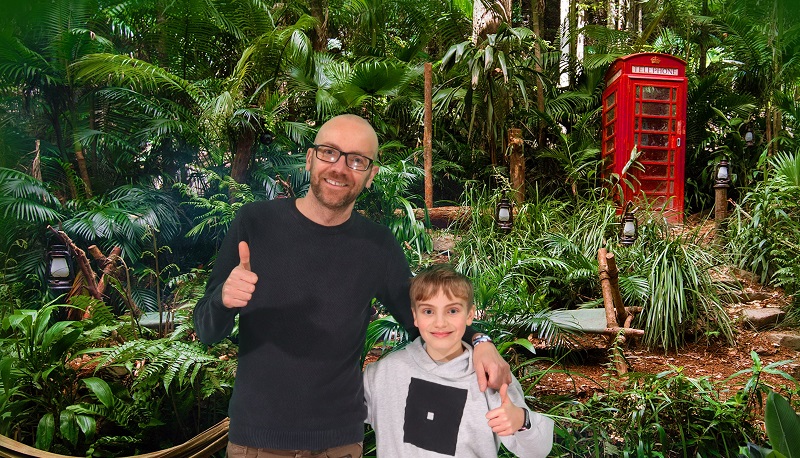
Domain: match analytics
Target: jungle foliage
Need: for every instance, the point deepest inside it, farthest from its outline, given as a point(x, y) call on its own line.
point(145, 126)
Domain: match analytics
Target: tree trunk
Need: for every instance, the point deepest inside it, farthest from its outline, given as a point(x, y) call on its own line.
point(537, 12)
point(517, 163)
point(485, 21)
point(242, 155)
point(319, 11)
point(427, 138)
point(84, 172)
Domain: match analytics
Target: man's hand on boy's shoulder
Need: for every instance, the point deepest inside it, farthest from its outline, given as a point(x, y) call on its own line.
point(490, 367)
point(508, 418)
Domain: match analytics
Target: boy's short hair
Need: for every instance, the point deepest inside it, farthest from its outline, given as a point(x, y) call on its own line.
point(441, 277)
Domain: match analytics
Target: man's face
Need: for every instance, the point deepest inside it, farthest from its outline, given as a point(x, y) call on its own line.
point(335, 185)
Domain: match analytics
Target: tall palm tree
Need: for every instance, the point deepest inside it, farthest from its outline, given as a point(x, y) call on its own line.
point(765, 54)
point(219, 107)
point(40, 42)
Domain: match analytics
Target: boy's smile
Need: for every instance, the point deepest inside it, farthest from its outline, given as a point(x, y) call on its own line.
point(442, 321)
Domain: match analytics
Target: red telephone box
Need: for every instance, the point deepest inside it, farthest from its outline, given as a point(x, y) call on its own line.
point(644, 110)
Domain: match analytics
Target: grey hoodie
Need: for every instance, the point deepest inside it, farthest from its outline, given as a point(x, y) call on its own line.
point(420, 408)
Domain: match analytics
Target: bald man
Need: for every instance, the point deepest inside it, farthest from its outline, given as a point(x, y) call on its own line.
point(301, 274)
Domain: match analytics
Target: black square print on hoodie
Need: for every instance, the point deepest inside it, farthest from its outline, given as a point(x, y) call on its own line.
point(433, 416)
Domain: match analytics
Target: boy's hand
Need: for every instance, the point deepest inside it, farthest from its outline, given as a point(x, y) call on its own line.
point(488, 362)
point(508, 418)
point(238, 288)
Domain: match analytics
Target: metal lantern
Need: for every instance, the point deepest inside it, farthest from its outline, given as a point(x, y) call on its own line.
point(630, 227)
point(60, 269)
point(749, 138)
point(266, 137)
point(504, 215)
point(722, 176)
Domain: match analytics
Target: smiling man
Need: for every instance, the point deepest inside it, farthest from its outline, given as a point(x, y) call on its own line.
point(301, 274)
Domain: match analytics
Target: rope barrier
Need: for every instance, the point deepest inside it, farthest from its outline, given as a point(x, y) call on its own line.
point(203, 445)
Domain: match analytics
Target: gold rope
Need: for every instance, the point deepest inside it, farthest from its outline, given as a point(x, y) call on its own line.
point(203, 445)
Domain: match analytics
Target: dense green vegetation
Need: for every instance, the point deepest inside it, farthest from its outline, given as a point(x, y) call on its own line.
point(145, 125)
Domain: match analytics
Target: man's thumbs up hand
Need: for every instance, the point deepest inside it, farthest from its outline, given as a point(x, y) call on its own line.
point(239, 287)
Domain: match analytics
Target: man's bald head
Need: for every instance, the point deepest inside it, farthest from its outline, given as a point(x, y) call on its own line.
point(358, 130)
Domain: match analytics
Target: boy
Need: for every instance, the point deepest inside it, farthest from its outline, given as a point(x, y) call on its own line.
point(423, 400)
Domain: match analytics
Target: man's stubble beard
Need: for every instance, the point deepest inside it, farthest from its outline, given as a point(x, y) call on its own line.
point(333, 204)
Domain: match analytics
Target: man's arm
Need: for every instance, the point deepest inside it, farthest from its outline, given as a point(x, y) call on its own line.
point(492, 370)
point(215, 313)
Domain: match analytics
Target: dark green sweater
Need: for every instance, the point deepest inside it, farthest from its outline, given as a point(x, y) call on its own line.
point(298, 383)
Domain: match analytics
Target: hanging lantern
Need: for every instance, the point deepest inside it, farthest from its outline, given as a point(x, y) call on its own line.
point(722, 176)
point(504, 215)
point(630, 227)
point(60, 270)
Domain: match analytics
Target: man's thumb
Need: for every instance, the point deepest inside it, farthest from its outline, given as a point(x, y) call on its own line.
point(244, 255)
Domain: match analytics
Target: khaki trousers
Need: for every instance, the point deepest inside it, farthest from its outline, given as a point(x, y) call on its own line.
point(345, 451)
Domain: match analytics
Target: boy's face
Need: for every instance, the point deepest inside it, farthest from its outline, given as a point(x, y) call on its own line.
point(442, 321)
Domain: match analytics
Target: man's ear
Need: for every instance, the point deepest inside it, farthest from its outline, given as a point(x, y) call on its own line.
point(372, 173)
point(309, 158)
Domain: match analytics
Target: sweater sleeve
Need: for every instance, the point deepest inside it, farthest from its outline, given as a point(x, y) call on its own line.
point(368, 401)
point(212, 320)
point(535, 442)
point(394, 294)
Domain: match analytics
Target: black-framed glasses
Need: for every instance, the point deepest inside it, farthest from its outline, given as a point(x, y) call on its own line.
point(353, 160)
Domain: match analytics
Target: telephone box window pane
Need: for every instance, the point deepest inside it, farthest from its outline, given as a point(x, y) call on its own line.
point(656, 93)
point(612, 98)
point(609, 130)
point(654, 186)
point(654, 155)
point(610, 144)
point(672, 187)
point(672, 172)
point(637, 110)
point(674, 94)
point(611, 113)
point(674, 110)
point(660, 125)
point(654, 108)
point(655, 140)
point(656, 170)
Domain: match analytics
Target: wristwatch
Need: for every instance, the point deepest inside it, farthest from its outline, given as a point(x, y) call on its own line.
point(526, 425)
point(480, 338)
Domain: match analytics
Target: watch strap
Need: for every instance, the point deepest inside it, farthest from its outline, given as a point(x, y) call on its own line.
point(526, 425)
point(480, 338)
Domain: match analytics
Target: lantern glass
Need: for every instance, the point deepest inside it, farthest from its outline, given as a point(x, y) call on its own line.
point(722, 172)
point(59, 267)
point(629, 229)
point(748, 137)
point(504, 214)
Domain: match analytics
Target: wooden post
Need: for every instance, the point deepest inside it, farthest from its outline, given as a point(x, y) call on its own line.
point(616, 315)
point(613, 279)
point(720, 206)
point(427, 138)
point(605, 286)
